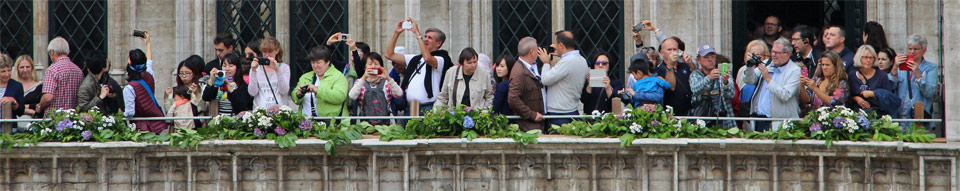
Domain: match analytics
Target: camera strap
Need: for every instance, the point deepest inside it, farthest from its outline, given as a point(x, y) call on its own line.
point(270, 85)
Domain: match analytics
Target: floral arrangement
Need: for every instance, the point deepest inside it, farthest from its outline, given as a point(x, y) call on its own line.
point(281, 124)
point(842, 123)
point(70, 125)
point(464, 122)
point(648, 121)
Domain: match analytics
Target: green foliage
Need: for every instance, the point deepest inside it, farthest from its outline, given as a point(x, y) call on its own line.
point(463, 122)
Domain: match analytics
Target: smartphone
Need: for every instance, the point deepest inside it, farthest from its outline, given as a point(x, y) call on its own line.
point(139, 33)
point(344, 36)
point(724, 68)
point(638, 27)
point(407, 25)
point(904, 66)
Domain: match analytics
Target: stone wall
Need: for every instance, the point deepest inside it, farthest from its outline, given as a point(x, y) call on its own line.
point(556, 163)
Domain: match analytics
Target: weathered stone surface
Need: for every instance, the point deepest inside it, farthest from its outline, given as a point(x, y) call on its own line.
point(556, 163)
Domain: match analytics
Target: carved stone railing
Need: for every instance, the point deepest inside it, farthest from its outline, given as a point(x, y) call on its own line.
point(556, 163)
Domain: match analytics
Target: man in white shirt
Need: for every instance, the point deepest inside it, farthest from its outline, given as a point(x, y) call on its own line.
point(778, 84)
point(424, 72)
point(564, 79)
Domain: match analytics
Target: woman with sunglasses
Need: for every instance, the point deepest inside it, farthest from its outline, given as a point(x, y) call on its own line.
point(598, 98)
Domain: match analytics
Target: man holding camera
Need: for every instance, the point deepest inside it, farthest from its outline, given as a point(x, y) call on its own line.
point(424, 73)
point(779, 83)
point(711, 88)
point(564, 79)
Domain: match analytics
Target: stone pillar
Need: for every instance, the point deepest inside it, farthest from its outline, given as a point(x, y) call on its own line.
point(40, 36)
point(951, 92)
point(282, 24)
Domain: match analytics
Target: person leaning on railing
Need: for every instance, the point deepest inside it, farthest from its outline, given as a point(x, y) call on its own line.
point(828, 87)
point(138, 98)
point(374, 90)
point(503, 66)
point(870, 88)
point(323, 91)
point(11, 90)
point(465, 84)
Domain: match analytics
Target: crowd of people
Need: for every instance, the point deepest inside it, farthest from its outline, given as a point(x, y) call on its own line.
point(784, 75)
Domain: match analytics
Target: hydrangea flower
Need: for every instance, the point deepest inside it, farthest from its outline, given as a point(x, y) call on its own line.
point(654, 123)
point(258, 132)
point(701, 123)
point(468, 122)
point(64, 124)
point(636, 128)
point(649, 108)
point(280, 131)
point(86, 117)
point(273, 110)
point(815, 127)
point(467, 109)
point(86, 135)
point(306, 125)
point(838, 122)
point(863, 121)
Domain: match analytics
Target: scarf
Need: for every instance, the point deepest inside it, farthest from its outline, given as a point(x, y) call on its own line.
point(414, 65)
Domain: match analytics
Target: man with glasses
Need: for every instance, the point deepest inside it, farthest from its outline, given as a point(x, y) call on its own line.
point(802, 41)
point(711, 89)
point(778, 84)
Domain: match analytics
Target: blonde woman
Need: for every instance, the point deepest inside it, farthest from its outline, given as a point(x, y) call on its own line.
point(870, 88)
point(25, 73)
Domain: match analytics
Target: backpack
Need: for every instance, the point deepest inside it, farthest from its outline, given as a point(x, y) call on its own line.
point(375, 103)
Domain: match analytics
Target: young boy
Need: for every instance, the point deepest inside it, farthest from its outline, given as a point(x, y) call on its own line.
point(181, 108)
point(649, 88)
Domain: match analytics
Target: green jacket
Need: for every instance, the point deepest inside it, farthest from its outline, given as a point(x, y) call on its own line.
point(330, 94)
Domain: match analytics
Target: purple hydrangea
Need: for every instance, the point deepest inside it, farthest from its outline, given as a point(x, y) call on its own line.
point(280, 131)
point(86, 135)
point(258, 132)
point(467, 109)
point(654, 123)
point(306, 125)
point(86, 117)
point(64, 124)
point(452, 113)
point(864, 122)
point(273, 110)
point(815, 127)
point(838, 122)
point(468, 122)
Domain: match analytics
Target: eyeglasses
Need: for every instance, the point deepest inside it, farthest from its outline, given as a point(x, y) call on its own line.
point(868, 57)
point(779, 52)
point(601, 63)
point(771, 24)
point(184, 74)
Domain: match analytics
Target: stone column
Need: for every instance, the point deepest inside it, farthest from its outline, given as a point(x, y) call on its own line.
point(951, 92)
point(40, 36)
point(282, 23)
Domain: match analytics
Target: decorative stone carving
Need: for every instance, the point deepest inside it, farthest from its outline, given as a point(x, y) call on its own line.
point(526, 172)
point(798, 173)
point(347, 173)
point(660, 172)
point(752, 173)
point(704, 173)
point(481, 172)
point(78, 174)
point(391, 173)
point(844, 174)
point(258, 173)
point(894, 174)
point(303, 173)
point(618, 172)
point(214, 173)
point(571, 172)
point(31, 174)
point(168, 173)
point(434, 173)
point(938, 175)
point(120, 174)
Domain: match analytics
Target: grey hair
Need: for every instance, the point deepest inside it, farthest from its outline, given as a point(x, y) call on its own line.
point(5, 61)
point(440, 35)
point(787, 47)
point(864, 50)
point(59, 46)
point(917, 39)
point(525, 45)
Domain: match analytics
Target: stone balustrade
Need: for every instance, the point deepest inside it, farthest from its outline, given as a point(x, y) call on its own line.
point(556, 163)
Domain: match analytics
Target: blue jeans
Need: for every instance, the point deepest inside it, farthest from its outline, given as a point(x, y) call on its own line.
point(560, 122)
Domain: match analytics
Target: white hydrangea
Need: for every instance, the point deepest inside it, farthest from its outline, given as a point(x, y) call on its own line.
point(627, 111)
point(669, 109)
point(285, 108)
point(133, 126)
point(851, 125)
point(886, 118)
point(264, 121)
point(45, 131)
point(701, 123)
point(636, 128)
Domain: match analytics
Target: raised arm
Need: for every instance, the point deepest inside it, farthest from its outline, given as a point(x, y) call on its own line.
point(388, 53)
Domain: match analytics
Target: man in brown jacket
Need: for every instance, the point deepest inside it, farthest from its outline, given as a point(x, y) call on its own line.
point(526, 92)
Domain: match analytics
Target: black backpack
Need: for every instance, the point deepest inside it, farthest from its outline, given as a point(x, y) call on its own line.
point(375, 103)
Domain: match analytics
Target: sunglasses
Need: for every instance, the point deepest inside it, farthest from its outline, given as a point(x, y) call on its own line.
point(601, 63)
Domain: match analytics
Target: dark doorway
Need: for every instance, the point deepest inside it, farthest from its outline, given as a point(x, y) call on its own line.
point(748, 16)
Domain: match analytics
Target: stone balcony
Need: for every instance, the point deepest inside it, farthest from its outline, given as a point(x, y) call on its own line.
point(556, 163)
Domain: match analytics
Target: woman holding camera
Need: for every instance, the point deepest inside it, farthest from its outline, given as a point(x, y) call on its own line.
point(323, 91)
point(189, 74)
point(269, 76)
point(829, 85)
point(138, 98)
point(228, 88)
point(374, 89)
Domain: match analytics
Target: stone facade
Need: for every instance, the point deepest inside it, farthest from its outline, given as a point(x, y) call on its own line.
point(185, 27)
point(556, 163)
